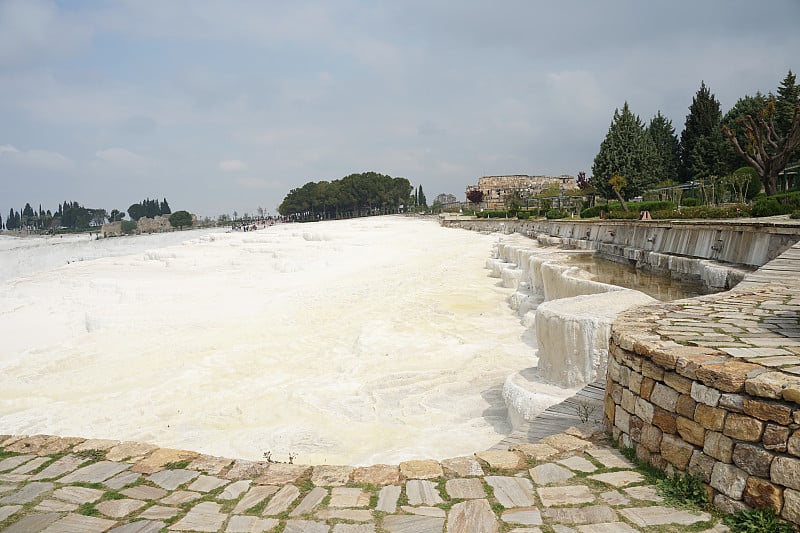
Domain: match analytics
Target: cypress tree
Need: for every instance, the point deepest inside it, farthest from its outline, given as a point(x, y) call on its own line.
point(626, 151)
point(702, 143)
point(666, 145)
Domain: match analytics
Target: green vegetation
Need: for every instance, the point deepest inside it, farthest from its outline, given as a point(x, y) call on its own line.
point(180, 219)
point(757, 521)
point(354, 195)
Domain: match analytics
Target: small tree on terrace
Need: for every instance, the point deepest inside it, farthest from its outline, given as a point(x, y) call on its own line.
point(180, 219)
point(475, 196)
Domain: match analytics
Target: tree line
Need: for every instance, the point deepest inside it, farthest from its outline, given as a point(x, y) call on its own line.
point(353, 195)
point(74, 216)
point(760, 131)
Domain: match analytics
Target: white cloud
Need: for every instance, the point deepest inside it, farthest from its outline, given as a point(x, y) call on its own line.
point(7, 148)
point(33, 159)
point(120, 156)
point(232, 165)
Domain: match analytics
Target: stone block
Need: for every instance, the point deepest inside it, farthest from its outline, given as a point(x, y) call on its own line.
point(785, 471)
point(701, 465)
point(609, 408)
point(675, 451)
point(613, 370)
point(709, 417)
point(729, 480)
point(644, 410)
point(705, 395)
point(760, 493)
point(685, 406)
point(628, 401)
point(752, 458)
point(718, 446)
point(635, 426)
point(793, 444)
point(622, 420)
point(421, 469)
point(642, 454)
point(743, 427)
point(651, 438)
point(652, 371)
point(656, 461)
point(387, 498)
point(764, 410)
point(791, 505)
point(679, 383)
point(331, 475)
point(769, 384)
point(688, 363)
point(503, 460)
point(624, 374)
point(691, 431)
point(776, 438)
point(635, 382)
point(732, 402)
point(616, 393)
point(473, 515)
point(728, 505)
point(665, 420)
point(647, 388)
point(726, 377)
point(664, 397)
point(383, 474)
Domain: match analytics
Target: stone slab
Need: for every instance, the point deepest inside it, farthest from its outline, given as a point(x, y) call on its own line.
point(387, 498)
point(567, 495)
point(180, 497)
point(537, 451)
point(15, 461)
point(282, 500)
point(659, 516)
point(348, 497)
point(280, 473)
point(27, 493)
point(305, 526)
point(592, 514)
point(577, 463)
point(161, 457)
point(122, 479)
point(144, 492)
point(310, 501)
point(33, 522)
point(58, 468)
point(619, 479)
point(356, 515)
point(471, 516)
point(205, 516)
point(235, 489)
point(130, 451)
point(511, 491)
point(140, 526)
point(250, 524)
point(529, 516)
point(549, 473)
point(159, 512)
point(378, 475)
point(119, 508)
point(55, 506)
point(79, 495)
point(254, 496)
point(463, 466)
point(172, 479)
point(30, 466)
point(205, 483)
point(421, 469)
point(608, 527)
point(412, 524)
point(422, 492)
point(424, 511)
point(76, 523)
point(354, 528)
point(465, 488)
point(331, 475)
point(95, 472)
point(8, 510)
point(501, 459)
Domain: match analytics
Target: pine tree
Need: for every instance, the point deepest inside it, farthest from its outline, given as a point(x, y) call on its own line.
point(702, 143)
point(421, 200)
point(785, 102)
point(165, 210)
point(626, 151)
point(667, 147)
point(10, 219)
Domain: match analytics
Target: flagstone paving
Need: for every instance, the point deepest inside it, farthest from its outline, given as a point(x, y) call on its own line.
point(570, 483)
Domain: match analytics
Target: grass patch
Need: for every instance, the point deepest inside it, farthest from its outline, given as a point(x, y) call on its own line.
point(98, 486)
point(93, 455)
point(88, 509)
point(4, 454)
point(177, 465)
point(683, 491)
point(757, 521)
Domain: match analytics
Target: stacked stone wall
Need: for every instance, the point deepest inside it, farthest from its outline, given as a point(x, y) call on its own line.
point(728, 415)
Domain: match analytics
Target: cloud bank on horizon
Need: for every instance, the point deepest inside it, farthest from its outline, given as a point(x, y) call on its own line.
point(223, 106)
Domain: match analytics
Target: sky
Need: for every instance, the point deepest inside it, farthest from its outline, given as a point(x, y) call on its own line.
point(226, 106)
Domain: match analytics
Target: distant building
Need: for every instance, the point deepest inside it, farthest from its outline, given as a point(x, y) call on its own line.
point(496, 188)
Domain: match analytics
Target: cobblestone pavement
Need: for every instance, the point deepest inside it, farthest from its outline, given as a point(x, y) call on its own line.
point(569, 482)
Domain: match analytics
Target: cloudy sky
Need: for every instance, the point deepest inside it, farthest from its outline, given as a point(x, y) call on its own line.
point(226, 105)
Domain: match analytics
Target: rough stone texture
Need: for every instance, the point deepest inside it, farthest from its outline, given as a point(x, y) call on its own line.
point(279, 473)
point(651, 438)
point(331, 476)
point(205, 483)
point(578, 463)
point(254, 496)
point(27, 494)
point(710, 418)
point(728, 505)
point(380, 475)
point(95, 473)
point(726, 377)
point(78, 495)
point(172, 479)
point(357, 515)
point(282, 500)
point(471, 516)
point(511, 491)
point(775, 438)
point(705, 395)
point(387, 498)
point(619, 479)
point(310, 501)
point(676, 451)
point(664, 397)
point(658, 516)
point(691, 431)
point(679, 383)
point(75, 523)
point(465, 489)
point(501, 460)
point(468, 466)
point(743, 427)
point(133, 451)
point(421, 492)
point(592, 514)
point(718, 446)
point(701, 465)
point(60, 467)
point(421, 469)
point(768, 384)
point(665, 420)
point(349, 497)
point(791, 505)
point(765, 410)
point(144, 492)
point(732, 402)
point(234, 490)
point(786, 471)
point(250, 524)
point(566, 495)
point(305, 526)
point(548, 473)
point(760, 493)
point(609, 458)
point(529, 516)
point(729, 480)
point(119, 508)
point(413, 524)
point(565, 443)
point(160, 457)
point(753, 459)
point(685, 406)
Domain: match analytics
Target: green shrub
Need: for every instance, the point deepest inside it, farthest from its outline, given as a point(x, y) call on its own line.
point(556, 213)
point(767, 207)
point(757, 521)
point(690, 202)
point(624, 215)
point(524, 215)
point(704, 211)
point(795, 214)
point(591, 212)
point(683, 490)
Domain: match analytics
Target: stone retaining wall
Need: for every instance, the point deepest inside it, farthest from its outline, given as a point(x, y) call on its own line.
point(710, 386)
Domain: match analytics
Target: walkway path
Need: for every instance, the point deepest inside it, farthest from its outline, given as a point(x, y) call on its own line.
point(569, 482)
